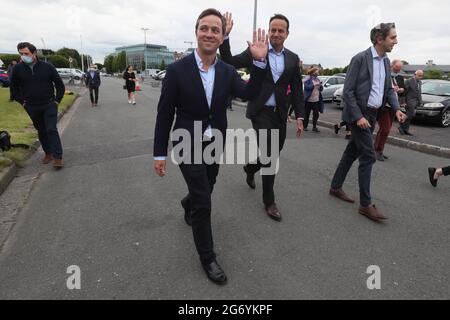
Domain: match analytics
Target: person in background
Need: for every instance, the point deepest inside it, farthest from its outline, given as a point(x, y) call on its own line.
point(34, 83)
point(93, 82)
point(10, 69)
point(436, 173)
point(313, 98)
point(413, 89)
point(130, 84)
point(348, 132)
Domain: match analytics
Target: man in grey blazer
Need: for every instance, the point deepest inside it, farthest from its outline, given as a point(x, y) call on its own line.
point(367, 88)
point(413, 89)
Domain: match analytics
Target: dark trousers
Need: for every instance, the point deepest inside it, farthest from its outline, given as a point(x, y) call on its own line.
point(385, 121)
point(44, 119)
point(200, 179)
point(11, 96)
point(360, 147)
point(446, 171)
point(314, 107)
point(410, 113)
point(93, 90)
point(269, 120)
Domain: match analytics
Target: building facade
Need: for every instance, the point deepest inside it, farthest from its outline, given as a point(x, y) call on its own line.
point(155, 55)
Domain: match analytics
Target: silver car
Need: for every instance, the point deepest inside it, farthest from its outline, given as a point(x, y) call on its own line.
point(330, 85)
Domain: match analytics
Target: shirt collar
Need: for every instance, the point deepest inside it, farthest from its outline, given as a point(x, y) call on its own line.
point(271, 49)
point(200, 62)
point(375, 54)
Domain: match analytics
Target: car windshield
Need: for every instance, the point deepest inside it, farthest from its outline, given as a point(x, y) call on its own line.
point(436, 88)
point(323, 79)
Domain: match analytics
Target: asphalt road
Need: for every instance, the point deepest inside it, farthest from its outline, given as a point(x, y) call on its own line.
point(111, 216)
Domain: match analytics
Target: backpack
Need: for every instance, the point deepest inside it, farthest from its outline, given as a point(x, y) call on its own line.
point(5, 142)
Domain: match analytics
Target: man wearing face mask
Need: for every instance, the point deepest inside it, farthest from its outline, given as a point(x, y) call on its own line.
point(33, 85)
point(93, 83)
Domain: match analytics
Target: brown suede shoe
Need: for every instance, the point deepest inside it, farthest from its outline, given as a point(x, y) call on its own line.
point(47, 159)
point(58, 163)
point(372, 213)
point(340, 194)
point(273, 212)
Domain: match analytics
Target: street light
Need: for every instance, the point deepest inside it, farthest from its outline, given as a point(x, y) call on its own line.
point(255, 15)
point(145, 47)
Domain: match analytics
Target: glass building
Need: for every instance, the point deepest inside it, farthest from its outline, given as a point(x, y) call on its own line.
point(155, 55)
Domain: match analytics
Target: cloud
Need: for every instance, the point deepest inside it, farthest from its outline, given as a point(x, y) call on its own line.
point(326, 32)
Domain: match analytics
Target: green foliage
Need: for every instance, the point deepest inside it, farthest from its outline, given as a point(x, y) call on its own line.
point(433, 74)
point(163, 65)
point(70, 53)
point(109, 63)
point(58, 61)
point(7, 58)
point(120, 62)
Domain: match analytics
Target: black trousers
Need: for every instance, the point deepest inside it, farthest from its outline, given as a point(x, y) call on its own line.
point(446, 171)
point(314, 107)
point(410, 114)
point(360, 147)
point(44, 119)
point(93, 91)
point(270, 120)
point(200, 180)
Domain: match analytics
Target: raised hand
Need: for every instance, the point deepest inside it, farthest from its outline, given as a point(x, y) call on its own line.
point(229, 19)
point(260, 45)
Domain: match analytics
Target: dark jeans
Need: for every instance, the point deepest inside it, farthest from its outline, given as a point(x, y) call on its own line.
point(360, 147)
point(92, 91)
point(385, 121)
point(314, 107)
point(269, 120)
point(446, 171)
point(410, 113)
point(44, 119)
point(200, 179)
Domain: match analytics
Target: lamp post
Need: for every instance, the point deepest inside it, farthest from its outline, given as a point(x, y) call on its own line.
point(255, 15)
point(145, 47)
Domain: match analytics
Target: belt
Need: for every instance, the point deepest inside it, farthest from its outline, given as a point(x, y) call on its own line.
point(373, 109)
point(271, 108)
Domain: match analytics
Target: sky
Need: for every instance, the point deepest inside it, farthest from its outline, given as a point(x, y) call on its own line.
point(324, 31)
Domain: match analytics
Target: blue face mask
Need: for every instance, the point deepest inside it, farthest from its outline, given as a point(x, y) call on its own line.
point(27, 59)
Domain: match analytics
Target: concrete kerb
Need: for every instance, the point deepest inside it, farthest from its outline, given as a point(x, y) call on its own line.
point(403, 143)
point(8, 174)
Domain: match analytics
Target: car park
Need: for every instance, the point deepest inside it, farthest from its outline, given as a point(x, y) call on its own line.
point(436, 102)
point(330, 85)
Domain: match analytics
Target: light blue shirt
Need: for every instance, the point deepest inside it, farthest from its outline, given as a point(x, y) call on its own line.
point(379, 78)
point(276, 61)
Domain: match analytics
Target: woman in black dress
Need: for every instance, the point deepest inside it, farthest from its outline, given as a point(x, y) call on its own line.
point(130, 84)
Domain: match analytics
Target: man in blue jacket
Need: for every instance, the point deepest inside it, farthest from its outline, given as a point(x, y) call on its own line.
point(33, 85)
point(202, 102)
point(93, 82)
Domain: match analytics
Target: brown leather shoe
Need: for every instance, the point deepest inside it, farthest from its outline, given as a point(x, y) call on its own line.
point(47, 159)
point(372, 213)
point(58, 163)
point(340, 194)
point(273, 212)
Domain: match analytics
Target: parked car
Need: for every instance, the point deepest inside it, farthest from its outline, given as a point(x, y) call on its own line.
point(4, 79)
point(160, 75)
point(67, 73)
point(330, 85)
point(436, 102)
point(337, 97)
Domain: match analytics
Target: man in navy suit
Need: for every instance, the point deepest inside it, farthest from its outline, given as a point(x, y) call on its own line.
point(93, 82)
point(368, 87)
point(196, 89)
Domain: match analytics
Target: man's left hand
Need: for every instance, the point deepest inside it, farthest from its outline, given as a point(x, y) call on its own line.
point(300, 128)
point(401, 117)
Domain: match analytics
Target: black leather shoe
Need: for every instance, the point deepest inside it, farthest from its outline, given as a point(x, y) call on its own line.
point(187, 211)
point(402, 132)
point(431, 172)
point(250, 178)
point(215, 273)
point(273, 212)
point(336, 129)
point(316, 130)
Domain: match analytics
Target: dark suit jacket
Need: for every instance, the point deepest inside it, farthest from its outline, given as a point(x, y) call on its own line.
point(401, 83)
point(291, 76)
point(413, 96)
point(183, 94)
point(93, 81)
point(358, 84)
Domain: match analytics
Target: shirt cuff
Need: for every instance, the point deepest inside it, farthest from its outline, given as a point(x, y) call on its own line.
point(259, 64)
point(160, 158)
point(301, 119)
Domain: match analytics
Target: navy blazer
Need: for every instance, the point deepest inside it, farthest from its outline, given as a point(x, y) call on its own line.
point(358, 85)
point(93, 81)
point(183, 94)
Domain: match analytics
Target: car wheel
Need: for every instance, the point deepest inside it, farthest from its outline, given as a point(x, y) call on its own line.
point(445, 118)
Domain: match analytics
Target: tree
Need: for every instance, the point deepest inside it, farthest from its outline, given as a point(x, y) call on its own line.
point(109, 63)
point(433, 74)
point(99, 66)
point(58, 61)
point(70, 53)
point(120, 63)
point(7, 58)
point(162, 66)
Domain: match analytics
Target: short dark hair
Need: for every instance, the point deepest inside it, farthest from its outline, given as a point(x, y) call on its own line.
point(381, 30)
point(280, 17)
point(212, 12)
point(28, 45)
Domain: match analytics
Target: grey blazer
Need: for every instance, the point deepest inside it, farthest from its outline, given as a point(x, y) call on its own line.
point(413, 96)
point(358, 84)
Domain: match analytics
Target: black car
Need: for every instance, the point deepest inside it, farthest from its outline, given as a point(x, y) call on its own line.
point(436, 102)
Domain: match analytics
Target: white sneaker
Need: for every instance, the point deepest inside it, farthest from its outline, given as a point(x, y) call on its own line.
point(134, 102)
point(129, 101)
